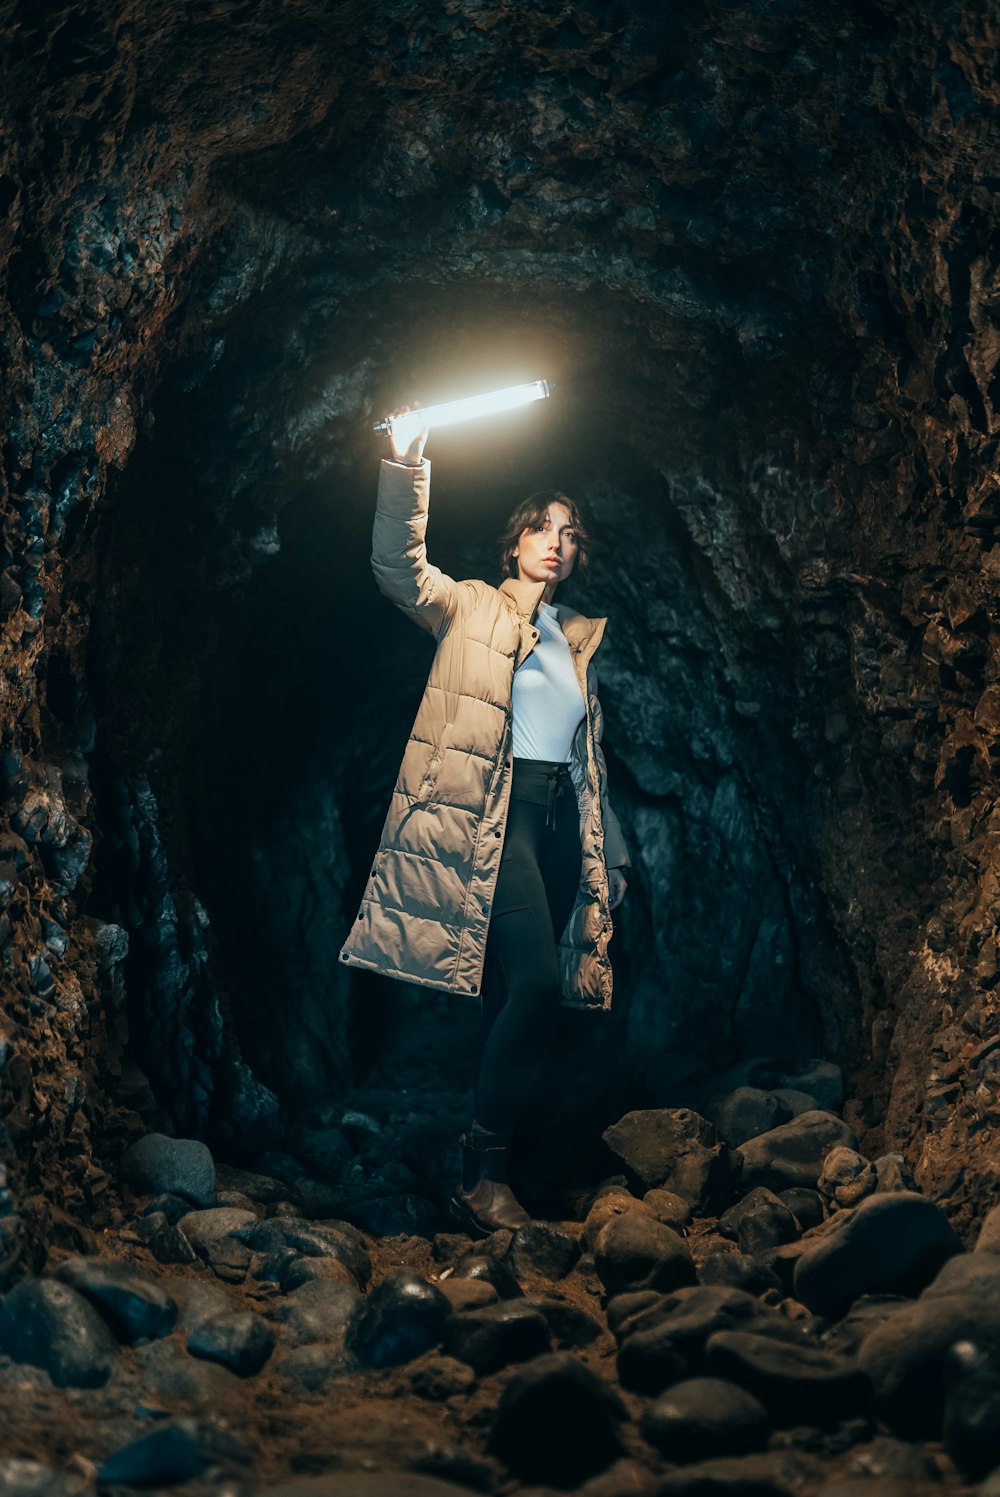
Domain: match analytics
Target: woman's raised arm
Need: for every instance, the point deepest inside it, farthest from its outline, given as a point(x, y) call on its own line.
point(399, 552)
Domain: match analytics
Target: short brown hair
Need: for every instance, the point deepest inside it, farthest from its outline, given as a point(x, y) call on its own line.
point(532, 511)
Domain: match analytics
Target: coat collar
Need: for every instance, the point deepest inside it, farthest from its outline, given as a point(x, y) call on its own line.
point(578, 629)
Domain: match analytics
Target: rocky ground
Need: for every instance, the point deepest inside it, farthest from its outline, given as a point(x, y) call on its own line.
point(743, 1304)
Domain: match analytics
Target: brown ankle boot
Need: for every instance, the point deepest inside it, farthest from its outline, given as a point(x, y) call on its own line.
point(484, 1202)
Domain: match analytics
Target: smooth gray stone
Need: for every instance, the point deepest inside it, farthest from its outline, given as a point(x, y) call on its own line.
point(241, 1342)
point(794, 1153)
point(638, 1252)
point(182, 1166)
point(53, 1327)
point(705, 1416)
point(135, 1306)
point(557, 1422)
point(319, 1311)
point(889, 1244)
point(200, 1301)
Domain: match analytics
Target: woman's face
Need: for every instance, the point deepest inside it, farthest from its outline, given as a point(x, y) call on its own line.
point(546, 552)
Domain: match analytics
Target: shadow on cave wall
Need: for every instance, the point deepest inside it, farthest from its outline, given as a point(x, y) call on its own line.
point(255, 692)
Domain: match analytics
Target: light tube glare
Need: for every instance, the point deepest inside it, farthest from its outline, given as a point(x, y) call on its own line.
point(473, 406)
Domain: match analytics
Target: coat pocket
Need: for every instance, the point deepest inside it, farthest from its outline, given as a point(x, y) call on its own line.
point(427, 785)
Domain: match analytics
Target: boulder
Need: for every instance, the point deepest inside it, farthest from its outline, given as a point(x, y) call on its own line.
point(557, 1422)
point(665, 1342)
point(402, 1317)
point(744, 1113)
point(182, 1166)
point(497, 1335)
point(797, 1384)
point(336, 1239)
point(50, 1325)
point(846, 1178)
point(890, 1244)
point(705, 1416)
point(242, 1342)
point(793, 1154)
point(134, 1305)
point(318, 1311)
point(637, 1252)
point(759, 1221)
point(905, 1358)
point(674, 1148)
point(971, 1423)
point(214, 1236)
point(542, 1248)
point(614, 1203)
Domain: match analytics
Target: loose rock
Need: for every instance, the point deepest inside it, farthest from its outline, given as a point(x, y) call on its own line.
point(795, 1383)
point(905, 1358)
point(134, 1305)
point(542, 1248)
point(612, 1204)
point(497, 1335)
point(557, 1422)
point(759, 1221)
point(402, 1317)
point(176, 1452)
point(241, 1342)
point(668, 1207)
point(25, 1478)
point(891, 1244)
point(971, 1423)
point(438, 1378)
point(665, 1342)
point(744, 1113)
point(675, 1148)
point(50, 1325)
point(318, 1311)
point(182, 1166)
point(793, 1154)
point(635, 1252)
point(846, 1177)
point(705, 1416)
point(213, 1235)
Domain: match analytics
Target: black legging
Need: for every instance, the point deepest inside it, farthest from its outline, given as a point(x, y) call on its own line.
point(536, 887)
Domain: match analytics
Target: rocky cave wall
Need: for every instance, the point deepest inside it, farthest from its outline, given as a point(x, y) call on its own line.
point(756, 244)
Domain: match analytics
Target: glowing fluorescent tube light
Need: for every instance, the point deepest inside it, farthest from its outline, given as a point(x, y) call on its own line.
point(473, 406)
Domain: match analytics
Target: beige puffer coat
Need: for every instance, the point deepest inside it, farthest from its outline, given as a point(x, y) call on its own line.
point(425, 914)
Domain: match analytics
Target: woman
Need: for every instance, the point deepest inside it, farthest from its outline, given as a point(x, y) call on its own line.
point(500, 859)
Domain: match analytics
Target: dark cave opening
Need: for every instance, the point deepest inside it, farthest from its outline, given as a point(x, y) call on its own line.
point(248, 671)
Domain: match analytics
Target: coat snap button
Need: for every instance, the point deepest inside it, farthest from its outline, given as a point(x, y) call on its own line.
point(496, 834)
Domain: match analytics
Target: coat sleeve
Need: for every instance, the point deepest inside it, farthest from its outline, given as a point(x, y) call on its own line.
point(399, 551)
point(615, 851)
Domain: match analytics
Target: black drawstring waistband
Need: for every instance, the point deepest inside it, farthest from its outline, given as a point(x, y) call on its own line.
point(535, 778)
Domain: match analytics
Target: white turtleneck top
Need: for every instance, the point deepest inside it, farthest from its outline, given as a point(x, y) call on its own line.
point(547, 701)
